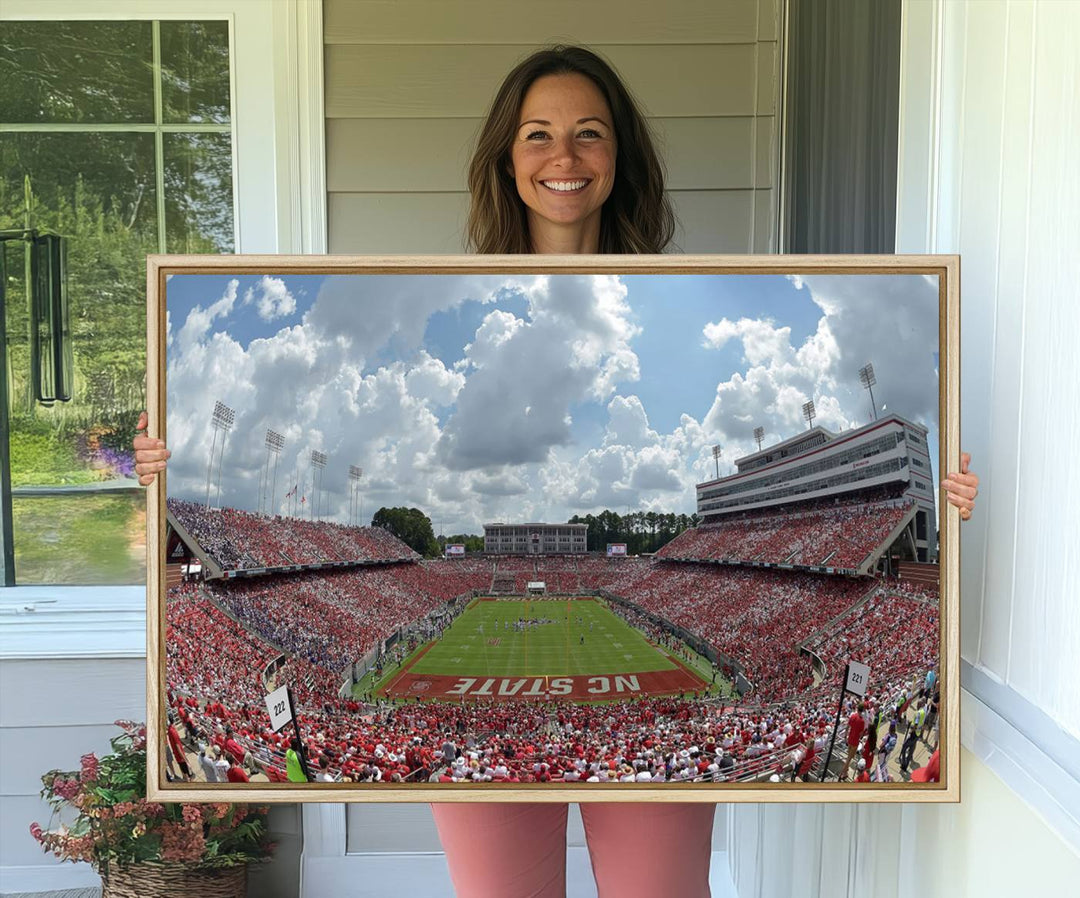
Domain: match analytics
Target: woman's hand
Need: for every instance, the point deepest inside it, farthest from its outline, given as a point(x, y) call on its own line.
point(960, 489)
point(150, 454)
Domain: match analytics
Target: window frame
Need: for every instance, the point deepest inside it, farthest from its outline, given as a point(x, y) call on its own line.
point(279, 206)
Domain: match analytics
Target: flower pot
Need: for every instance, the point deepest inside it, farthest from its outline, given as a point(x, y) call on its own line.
point(169, 880)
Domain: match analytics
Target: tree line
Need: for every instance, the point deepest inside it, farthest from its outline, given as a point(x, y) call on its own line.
point(641, 531)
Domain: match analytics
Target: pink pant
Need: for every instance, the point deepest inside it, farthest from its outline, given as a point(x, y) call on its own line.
point(638, 850)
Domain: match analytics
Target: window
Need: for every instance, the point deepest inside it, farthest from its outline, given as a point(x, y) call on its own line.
point(118, 136)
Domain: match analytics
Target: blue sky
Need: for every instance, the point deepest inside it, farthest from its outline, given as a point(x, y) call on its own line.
point(523, 397)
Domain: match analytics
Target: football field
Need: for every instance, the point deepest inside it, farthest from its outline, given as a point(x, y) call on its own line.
point(521, 648)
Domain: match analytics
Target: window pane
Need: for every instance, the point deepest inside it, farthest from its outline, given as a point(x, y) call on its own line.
point(98, 191)
point(195, 72)
point(81, 539)
point(198, 193)
point(76, 72)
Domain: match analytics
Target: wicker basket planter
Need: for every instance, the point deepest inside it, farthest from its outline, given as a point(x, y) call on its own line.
point(124, 837)
point(154, 880)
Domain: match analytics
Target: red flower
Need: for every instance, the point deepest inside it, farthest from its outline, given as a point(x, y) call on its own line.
point(180, 842)
point(65, 788)
point(89, 767)
point(150, 808)
point(36, 831)
point(192, 814)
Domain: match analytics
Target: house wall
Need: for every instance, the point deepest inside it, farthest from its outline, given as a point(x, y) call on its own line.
point(408, 83)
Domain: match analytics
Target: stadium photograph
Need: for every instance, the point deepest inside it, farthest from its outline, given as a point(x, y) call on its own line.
point(522, 531)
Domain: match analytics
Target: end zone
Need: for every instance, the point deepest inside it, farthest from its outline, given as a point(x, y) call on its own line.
point(585, 689)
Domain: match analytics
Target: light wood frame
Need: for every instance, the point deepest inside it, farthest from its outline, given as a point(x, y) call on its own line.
point(945, 267)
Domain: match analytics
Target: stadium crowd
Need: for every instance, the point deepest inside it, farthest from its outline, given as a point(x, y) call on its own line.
point(230, 641)
point(239, 540)
point(838, 537)
point(895, 630)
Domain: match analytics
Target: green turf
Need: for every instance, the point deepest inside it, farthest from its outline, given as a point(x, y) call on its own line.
point(611, 646)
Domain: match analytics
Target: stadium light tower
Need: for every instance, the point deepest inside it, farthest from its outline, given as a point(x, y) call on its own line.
point(808, 413)
point(867, 379)
point(355, 473)
point(275, 442)
point(222, 421)
point(318, 462)
point(759, 435)
point(716, 450)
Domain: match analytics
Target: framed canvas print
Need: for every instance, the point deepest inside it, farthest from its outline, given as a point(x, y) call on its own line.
point(583, 528)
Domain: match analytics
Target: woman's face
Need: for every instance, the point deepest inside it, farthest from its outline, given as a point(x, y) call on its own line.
point(563, 155)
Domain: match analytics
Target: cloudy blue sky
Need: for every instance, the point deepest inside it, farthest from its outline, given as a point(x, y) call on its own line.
point(524, 398)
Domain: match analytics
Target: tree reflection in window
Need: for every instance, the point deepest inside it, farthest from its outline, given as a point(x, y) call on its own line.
point(118, 136)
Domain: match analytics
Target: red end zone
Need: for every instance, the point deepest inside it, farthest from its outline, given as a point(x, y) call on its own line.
point(600, 687)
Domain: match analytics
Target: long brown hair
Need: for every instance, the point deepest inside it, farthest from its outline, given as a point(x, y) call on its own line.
point(637, 216)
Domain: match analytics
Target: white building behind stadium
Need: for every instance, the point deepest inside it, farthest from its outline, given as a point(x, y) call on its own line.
point(535, 539)
point(891, 453)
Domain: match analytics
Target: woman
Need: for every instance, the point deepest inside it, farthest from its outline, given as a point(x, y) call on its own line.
point(565, 164)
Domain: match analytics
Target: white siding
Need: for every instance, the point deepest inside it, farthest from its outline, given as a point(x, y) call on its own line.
point(84, 697)
point(408, 83)
point(1009, 203)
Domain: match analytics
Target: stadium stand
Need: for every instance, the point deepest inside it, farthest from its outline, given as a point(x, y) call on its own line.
point(231, 640)
point(838, 537)
point(239, 540)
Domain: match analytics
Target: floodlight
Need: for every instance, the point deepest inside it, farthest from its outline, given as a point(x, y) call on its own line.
point(867, 379)
point(355, 473)
point(221, 420)
point(275, 442)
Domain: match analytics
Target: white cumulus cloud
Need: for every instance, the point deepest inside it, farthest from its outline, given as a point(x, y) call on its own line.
point(271, 297)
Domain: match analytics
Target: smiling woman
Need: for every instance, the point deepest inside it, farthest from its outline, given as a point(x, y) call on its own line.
point(563, 162)
point(563, 116)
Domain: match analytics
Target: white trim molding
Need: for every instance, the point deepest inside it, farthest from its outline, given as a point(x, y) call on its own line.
point(918, 127)
point(298, 76)
point(998, 732)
